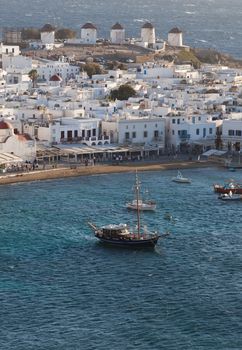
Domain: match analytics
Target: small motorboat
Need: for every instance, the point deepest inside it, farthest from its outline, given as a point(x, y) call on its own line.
point(230, 196)
point(168, 216)
point(181, 179)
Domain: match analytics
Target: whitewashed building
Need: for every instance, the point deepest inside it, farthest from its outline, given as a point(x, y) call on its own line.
point(89, 33)
point(46, 69)
point(189, 129)
point(232, 133)
point(135, 130)
point(9, 49)
point(117, 34)
point(85, 131)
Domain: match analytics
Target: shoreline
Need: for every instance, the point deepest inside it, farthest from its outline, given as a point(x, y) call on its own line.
point(64, 172)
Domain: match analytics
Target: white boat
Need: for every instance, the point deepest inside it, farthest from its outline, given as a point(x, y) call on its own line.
point(141, 204)
point(181, 179)
point(230, 196)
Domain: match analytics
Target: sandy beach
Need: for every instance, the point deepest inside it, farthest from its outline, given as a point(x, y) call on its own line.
point(63, 172)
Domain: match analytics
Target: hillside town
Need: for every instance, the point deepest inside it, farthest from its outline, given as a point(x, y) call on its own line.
point(56, 107)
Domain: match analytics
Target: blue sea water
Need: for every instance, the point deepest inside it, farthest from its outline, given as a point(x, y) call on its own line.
point(209, 23)
point(61, 289)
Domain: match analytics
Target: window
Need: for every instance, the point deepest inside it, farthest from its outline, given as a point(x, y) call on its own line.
point(94, 132)
point(210, 131)
point(238, 132)
point(127, 136)
point(133, 135)
point(145, 134)
point(83, 133)
point(231, 132)
point(62, 134)
point(173, 121)
point(173, 132)
point(199, 118)
point(204, 132)
point(178, 121)
point(179, 132)
point(156, 133)
point(193, 120)
point(197, 132)
point(75, 133)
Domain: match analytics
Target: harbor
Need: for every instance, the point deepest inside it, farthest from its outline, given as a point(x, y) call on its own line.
point(56, 275)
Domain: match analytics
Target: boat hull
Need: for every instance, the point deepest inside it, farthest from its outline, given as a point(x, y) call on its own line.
point(130, 243)
point(141, 208)
point(228, 198)
point(181, 181)
point(223, 190)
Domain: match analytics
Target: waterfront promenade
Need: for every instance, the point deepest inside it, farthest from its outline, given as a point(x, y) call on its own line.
point(72, 171)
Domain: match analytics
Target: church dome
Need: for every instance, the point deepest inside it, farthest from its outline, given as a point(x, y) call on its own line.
point(5, 125)
point(55, 77)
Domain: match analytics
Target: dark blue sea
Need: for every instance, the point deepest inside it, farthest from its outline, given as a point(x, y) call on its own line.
point(208, 23)
point(61, 289)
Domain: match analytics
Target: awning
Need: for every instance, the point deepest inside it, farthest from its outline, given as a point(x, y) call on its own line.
point(213, 152)
point(9, 158)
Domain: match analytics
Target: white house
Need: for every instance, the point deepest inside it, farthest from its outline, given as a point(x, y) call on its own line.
point(148, 35)
point(117, 34)
point(89, 33)
point(189, 129)
point(232, 133)
point(135, 130)
point(46, 69)
point(16, 62)
point(47, 35)
point(9, 49)
point(175, 37)
point(85, 131)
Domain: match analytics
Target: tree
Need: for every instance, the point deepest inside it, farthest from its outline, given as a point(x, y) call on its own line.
point(33, 75)
point(92, 68)
point(30, 34)
point(65, 33)
point(124, 92)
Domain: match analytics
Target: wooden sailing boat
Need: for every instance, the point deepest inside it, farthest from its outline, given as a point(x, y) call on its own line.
point(122, 235)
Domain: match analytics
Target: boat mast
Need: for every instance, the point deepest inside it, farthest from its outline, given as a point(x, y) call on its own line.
point(137, 187)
